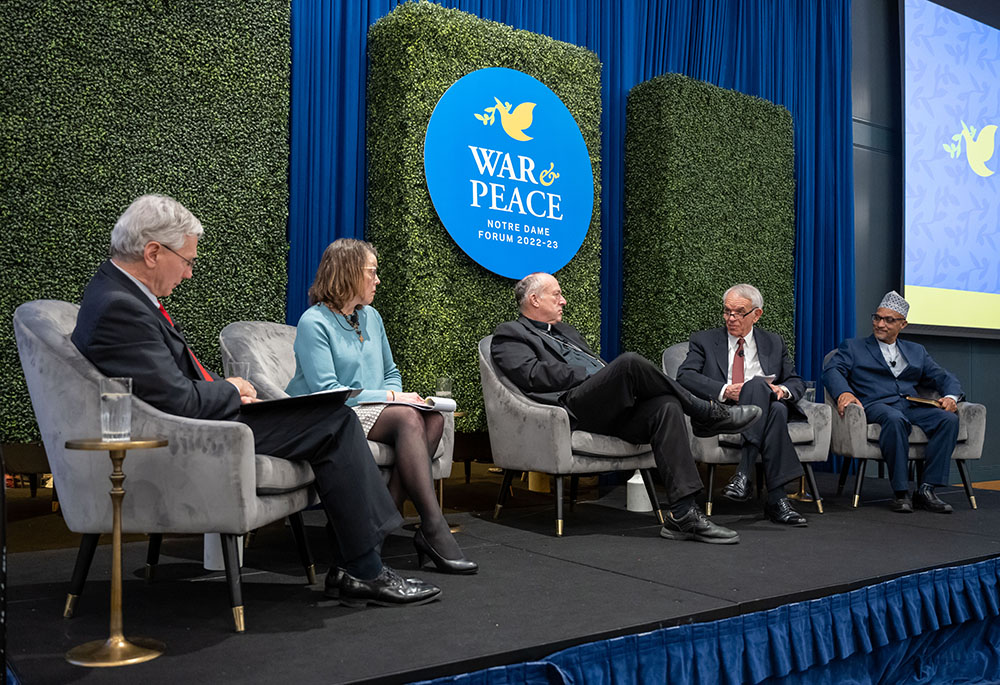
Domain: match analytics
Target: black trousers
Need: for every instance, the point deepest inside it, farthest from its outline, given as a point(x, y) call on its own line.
point(768, 435)
point(633, 400)
point(347, 480)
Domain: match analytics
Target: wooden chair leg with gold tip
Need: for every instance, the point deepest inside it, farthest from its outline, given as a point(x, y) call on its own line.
point(647, 480)
point(84, 558)
point(559, 506)
point(709, 489)
point(302, 542)
point(813, 487)
point(508, 477)
point(859, 479)
point(153, 555)
point(231, 558)
point(966, 483)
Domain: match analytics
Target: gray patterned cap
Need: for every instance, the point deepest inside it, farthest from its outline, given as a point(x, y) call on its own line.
point(895, 302)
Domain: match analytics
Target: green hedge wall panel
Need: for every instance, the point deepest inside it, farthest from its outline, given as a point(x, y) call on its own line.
point(102, 102)
point(709, 202)
point(437, 303)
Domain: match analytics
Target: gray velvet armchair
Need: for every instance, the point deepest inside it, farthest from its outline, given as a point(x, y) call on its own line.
point(529, 436)
point(206, 480)
point(854, 437)
point(269, 347)
point(811, 437)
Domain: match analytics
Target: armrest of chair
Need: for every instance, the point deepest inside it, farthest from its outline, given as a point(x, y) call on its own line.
point(849, 433)
point(974, 417)
point(528, 435)
point(820, 418)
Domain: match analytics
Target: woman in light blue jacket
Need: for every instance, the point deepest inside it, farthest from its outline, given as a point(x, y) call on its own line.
point(341, 342)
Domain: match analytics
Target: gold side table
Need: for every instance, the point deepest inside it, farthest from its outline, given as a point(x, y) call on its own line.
point(116, 650)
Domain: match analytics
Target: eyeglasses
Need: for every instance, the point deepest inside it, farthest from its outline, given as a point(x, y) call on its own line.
point(189, 262)
point(729, 314)
point(373, 269)
point(888, 319)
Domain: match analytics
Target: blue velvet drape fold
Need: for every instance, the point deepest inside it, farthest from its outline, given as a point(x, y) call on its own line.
point(938, 626)
point(795, 53)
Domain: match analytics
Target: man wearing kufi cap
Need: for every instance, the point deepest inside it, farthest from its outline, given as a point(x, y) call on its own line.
point(878, 372)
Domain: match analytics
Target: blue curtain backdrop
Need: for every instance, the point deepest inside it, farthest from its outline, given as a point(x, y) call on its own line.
point(796, 53)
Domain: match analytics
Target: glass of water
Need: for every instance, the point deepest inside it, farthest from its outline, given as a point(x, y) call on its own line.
point(236, 369)
point(116, 409)
point(443, 388)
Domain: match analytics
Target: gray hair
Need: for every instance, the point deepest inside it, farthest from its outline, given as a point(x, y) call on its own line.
point(747, 291)
point(528, 285)
point(152, 218)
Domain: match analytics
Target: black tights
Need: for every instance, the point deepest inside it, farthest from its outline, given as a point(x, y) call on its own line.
point(414, 435)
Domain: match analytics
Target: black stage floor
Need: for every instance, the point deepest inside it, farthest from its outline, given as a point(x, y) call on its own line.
point(609, 575)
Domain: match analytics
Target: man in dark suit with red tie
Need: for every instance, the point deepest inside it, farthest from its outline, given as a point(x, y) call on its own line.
point(739, 364)
point(123, 329)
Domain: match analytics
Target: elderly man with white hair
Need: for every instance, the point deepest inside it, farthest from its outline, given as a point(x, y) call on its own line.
point(739, 364)
point(879, 372)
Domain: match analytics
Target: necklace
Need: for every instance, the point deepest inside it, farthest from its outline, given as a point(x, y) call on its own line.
point(352, 320)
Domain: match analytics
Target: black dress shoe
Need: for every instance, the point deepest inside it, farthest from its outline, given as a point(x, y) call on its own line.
point(461, 566)
point(924, 498)
point(723, 419)
point(782, 512)
point(386, 589)
point(331, 587)
point(739, 488)
point(902, 505)
point(694, 525)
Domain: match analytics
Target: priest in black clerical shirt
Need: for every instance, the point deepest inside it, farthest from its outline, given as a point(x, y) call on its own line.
point(628, 398)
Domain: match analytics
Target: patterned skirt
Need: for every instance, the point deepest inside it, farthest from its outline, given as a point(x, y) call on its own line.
point(368, 414)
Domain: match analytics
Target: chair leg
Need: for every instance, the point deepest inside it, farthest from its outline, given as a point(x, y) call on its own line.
point(559, 506)
point(231, 559)
point(33, 484)
point(55, 498)
point(468, 471)
point(302, 543)
point(711, 486)
point(153, 555)
point(966, 483)
point(441, 493)
point(813, 487)
point(918, 466)
point(84, 558)
point(858, 480)
point(845, 467)
point(508, 477)
point(647, 480)
point(574, 490)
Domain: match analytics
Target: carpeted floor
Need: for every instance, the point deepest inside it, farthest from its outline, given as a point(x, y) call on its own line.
point(610, 574)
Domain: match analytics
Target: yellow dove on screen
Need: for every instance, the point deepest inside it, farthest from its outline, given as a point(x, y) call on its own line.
point(980, 150)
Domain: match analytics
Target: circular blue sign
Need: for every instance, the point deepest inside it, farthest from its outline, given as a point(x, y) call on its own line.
point(509, 173)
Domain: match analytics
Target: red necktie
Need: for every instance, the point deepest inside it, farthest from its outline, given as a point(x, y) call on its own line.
point(738, 362)
point(205, 374)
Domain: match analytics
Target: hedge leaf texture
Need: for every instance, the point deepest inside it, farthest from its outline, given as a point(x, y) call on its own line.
point(709, 202)
point(104, 101)
point(437, 303)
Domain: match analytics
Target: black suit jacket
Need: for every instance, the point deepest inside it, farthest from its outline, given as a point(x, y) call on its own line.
point(123, 334)
point(705, 369)
point(534, 362)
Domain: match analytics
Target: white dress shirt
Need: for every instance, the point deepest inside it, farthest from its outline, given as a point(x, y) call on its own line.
point(751, 362)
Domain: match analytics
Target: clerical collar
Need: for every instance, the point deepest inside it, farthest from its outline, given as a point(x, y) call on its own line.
point(540, 324)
